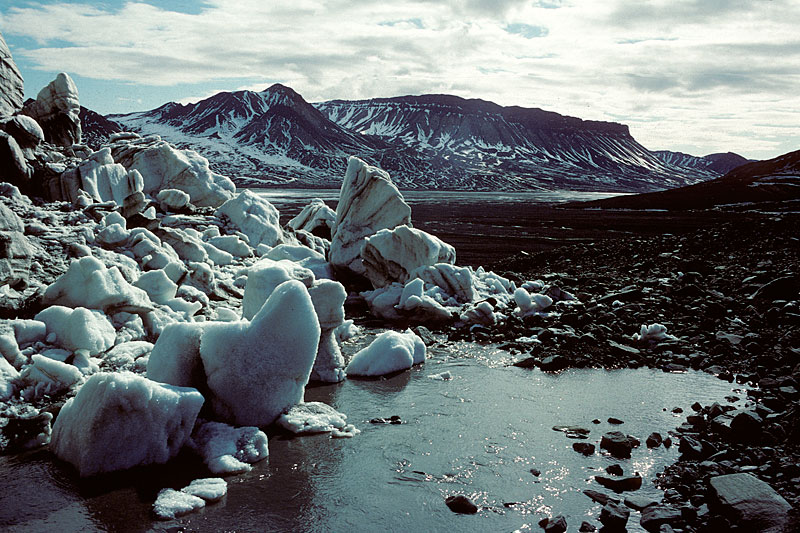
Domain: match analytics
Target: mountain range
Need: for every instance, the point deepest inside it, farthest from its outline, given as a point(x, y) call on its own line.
point(275, 138)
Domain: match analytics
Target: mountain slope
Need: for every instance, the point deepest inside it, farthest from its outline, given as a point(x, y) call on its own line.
point(773, 180)
point(530, 146)
point(95, 128)
point(273, 134)
point(721, 163)
point(274, 137)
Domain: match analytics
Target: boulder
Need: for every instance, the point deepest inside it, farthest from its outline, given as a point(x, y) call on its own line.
point(57, 110)
point(620, 483)
point(13, 166)
point(368, 203)
point(78, 329)
point(392, 254)
point(165, 167)
point(614, 516)
point(12, 90)
point(26, 131)
point(617, 443)
point(655, 516)
point(750, 502)
point(121, 420)
point(461, 504)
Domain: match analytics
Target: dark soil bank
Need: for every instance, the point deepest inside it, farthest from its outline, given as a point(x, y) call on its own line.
point(728, 292)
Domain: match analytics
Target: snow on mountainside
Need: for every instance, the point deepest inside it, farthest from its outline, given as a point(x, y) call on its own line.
point(721, 163)
point(527, 147)
point(274, 137)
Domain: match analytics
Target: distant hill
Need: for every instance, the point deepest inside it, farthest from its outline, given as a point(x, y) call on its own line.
point(721, 163)
point(275, 138)
point(773, 180)
point(96, 128)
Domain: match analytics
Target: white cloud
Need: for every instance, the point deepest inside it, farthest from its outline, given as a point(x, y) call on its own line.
point(702, 75)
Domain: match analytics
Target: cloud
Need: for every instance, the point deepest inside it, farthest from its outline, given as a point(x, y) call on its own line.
point(664, 67)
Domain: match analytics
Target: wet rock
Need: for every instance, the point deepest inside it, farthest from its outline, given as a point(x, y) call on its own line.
point(599, 497)
point(750, 502)
point(585, 448)
point(557, 524)
point(24, 432)
point(654, 440)
point(614, 470)
point(586, 527)
point(691, 448)
point(614, 516)
point(655, 516)
point(617, 444)
point(638, 502)
point(746, 426)
point(554, 363)
point(620, 484)
point(615, 421)
point(461, 504)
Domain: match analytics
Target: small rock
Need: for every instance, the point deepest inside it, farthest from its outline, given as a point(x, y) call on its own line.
point(654, 440)
point(654, 516)
point(557, 524)
point(586, 527)
point(638, 502)
point(620, 484)
point(615, 421)
point(585, 448)
point(461, 504)
point(617, 443)
point(614, 516)
point(599, 497)
point(614, 470)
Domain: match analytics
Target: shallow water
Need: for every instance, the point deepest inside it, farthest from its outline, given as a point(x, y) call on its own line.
point(479, 434)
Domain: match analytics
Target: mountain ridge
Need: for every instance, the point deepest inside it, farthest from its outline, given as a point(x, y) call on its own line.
point(275, 138)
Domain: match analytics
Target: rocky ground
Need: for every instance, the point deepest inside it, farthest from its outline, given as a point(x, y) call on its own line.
point(728, 297)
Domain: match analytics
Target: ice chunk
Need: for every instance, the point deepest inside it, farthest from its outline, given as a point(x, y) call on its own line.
point(88, 283)
point(652, 333)
point(444, 376)
point(113, 235)
point(232, 244)
point(368, 203)
point(391, 255)
point(10, 351)
point(210, 489)
point(157, 285)
point(391, 351)
point(264, 276)
point(226, 449)
point(28, 331)
point(172, 503)
point(48, 376)
point(255, 217)
point(316, 417)
point(172, 199)
point(121, 420)
point(528, 303)
point(78, 329)
point(328, 298)
point(253, 371)
point(314, 217)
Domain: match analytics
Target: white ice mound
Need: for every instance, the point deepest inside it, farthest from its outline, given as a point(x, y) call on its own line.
point(393, 254)
point(368, 203)
point(164, 167)
point(653, 333)
point(171, 503)
point(530, 303)
point(328, 298)
point(229, 450)
point(88, 283)
point(317, 417)
point(255, 217)
point(391, 351)
point(78, 329)
point(316, 218)
point(254, 371)
point(100, 178)
point(210, 489)
point(121, 420)
point(264, 276)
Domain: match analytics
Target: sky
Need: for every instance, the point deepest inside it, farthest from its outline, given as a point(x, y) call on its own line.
point(696, 76)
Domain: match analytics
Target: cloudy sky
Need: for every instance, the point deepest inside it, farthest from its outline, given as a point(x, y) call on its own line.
point(698, 76)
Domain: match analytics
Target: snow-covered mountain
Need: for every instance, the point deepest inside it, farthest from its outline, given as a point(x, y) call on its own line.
point(275, 137)
point(721, 163)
